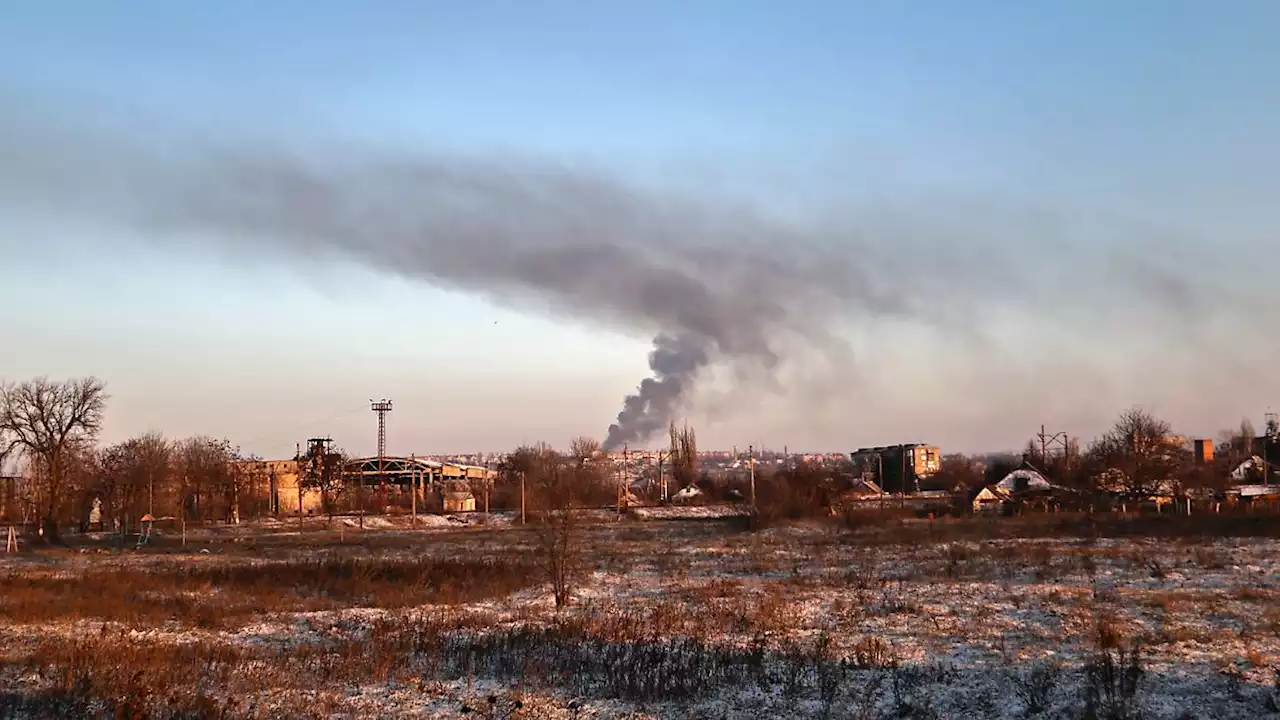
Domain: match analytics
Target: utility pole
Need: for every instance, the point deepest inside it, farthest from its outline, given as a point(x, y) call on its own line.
point(626, 474)
point(182, 511)
point(662, 479)
point(413, 492)
point(521, 497)
point(751, 464)
point(297, 458)
point(880, 477)
point(902, 477)
point(1045, 440)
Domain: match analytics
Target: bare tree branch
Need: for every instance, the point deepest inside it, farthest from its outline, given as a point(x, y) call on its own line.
point(46, 418)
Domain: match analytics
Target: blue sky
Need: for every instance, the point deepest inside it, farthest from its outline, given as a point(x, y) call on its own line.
point(1158, 115)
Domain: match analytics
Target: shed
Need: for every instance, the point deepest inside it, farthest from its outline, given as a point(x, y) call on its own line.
point(459, 501)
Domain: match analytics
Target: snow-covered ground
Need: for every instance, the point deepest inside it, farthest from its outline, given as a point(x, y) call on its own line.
point(697, 619)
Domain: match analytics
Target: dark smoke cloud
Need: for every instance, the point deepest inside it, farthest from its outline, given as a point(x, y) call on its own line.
point(675, 362)
point(712, 286)
point(716, 286)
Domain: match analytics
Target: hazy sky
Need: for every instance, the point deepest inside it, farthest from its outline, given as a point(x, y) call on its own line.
point(1077, 199)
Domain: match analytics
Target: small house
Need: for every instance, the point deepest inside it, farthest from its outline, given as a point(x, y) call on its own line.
point(991, 499)
point(1024, 479)
point(459, 500)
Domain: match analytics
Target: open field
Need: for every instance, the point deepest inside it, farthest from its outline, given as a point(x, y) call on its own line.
point(671, 619)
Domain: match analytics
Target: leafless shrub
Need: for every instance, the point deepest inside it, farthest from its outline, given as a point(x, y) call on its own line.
point(913, 691)
point(873, 653)
point(1035, 686)
point(863, 572)
point(831, 673)
point(1112, 678)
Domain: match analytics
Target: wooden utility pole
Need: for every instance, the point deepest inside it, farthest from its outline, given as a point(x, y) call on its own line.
point(880, 478)
point(751, 463)
point(521, 497)
point(413, 491)
point(298, 454)
point(662, 479)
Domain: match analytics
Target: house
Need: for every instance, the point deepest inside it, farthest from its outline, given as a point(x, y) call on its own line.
point(992, 499)
point(1254, 494)
point(1250, 468)
point(1025, 478)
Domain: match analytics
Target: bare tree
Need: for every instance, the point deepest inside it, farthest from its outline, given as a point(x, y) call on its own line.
point(47, 418)
point(683, 455)
point(130, 474)
point(324, 469)
point(210, 477)
point(958, 470)
point(583, 449)
point(1142, 451)
point(556, 491)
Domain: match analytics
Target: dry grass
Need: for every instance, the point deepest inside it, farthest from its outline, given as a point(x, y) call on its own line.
point(219, 595)
point(797, 620)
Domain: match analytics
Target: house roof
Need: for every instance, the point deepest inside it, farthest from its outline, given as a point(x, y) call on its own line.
point(1256, 490)
point(1030, 476)
point(992, 493)
point(688, 492)
point(1242, 470)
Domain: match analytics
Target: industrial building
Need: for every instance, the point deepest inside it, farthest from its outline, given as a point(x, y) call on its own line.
point(898, 468)
point(395, 475)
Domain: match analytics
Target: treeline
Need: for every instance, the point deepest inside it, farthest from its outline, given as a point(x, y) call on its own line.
point(54, 427)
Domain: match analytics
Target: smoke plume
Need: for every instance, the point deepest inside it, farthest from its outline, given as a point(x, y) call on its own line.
point(710, 286)
point(714, 285)
point(675, 362)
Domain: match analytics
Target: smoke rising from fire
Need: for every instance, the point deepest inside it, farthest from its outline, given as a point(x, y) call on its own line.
point(713, 285)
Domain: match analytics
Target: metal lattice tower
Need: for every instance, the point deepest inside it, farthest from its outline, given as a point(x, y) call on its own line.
point(381, 407)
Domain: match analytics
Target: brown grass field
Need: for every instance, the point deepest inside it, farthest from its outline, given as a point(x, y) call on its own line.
point(1054, 616)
